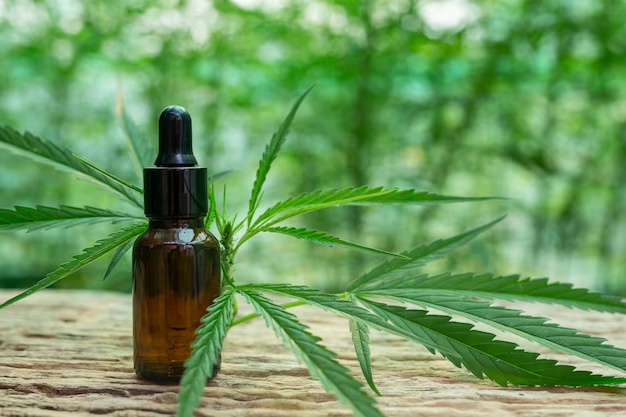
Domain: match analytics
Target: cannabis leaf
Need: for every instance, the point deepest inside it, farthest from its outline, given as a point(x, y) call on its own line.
point(510, 287)
point(117, 256)
point(333, 304)
point(205, 355)
point(361, 340)
point(483, 355)
point(81, 260)
point(312, 201)
point(112, 177)
point(271, 152)
point(320, 361)
point(212, 207)
point(141, 150)
point(456, 341)
point(49, 153)
point(417, 257)
point(535, 329)
point(326, 239)
point(325, 301)
point(43, 217)
point(358, 318)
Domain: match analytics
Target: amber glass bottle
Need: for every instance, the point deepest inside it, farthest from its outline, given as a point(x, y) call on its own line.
point(176, 262)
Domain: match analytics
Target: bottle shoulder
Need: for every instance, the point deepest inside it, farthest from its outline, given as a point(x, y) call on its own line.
point(177, 236)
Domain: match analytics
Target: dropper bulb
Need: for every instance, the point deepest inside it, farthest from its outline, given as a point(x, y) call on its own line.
point(175, 149)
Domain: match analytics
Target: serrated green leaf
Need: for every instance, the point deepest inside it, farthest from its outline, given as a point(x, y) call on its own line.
point(510, 287)
point(49, 153)
point(317, 200)
point(43, 217)
point(81, 260)
point(333, 304)
point(212, 208)
point(321, 362)
point(141, 149)
point(436, 335)
point(361, 342)
point(326, 239)
point(205, 353)
point(108, 175)
point(417, 257)
point(117, 255)
point(213, 213)
point(535, 329)
point(271, 152)
point(328, 302)
point(483, 355)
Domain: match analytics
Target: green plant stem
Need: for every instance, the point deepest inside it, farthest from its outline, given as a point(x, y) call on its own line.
point(247, 235)
point(255, 315)
point(228, 259)
point(291, 304)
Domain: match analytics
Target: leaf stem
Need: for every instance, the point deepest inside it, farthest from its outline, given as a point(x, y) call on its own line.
point(291, 304)
point(247, 235)
point(255, 315)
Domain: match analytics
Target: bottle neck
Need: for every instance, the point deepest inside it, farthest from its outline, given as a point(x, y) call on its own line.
point(176, 223)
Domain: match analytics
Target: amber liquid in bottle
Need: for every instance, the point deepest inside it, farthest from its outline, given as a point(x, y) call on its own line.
point(176, 276)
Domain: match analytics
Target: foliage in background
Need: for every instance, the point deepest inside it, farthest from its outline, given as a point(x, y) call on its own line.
point(517, 98)
point(365, 300)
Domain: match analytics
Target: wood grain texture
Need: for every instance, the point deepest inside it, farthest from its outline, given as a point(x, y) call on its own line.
point(69, 353)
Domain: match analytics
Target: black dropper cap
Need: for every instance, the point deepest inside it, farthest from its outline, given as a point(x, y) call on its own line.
point(176, 187)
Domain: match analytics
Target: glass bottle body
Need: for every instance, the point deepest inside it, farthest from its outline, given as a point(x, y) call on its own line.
point(176, 276)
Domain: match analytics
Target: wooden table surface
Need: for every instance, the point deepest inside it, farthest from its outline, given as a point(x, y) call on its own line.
point(69, 353)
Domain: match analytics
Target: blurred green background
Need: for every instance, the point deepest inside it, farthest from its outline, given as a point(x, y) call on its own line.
point(517, 98)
